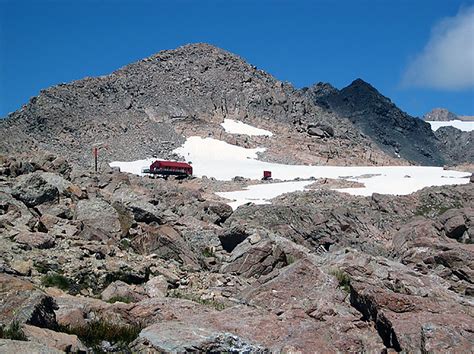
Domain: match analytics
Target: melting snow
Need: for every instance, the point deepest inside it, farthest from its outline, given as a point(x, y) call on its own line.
point(235, 127)
point(215, 158)
point(461, 125)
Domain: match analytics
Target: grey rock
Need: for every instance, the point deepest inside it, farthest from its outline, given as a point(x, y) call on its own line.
point(22, 347)
point(98, 214)
point(33, 190)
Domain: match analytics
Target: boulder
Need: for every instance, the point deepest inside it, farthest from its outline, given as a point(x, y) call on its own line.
point(22, 347)
point(13, 213)
point(232, 237)
point(99, 215)
point(217, 212)
point(456, 223)
point(121, 291)
point(144, 212)
point(57, 181)
point(65, 342)
point(157, 286)
point(254, 259)
point(40, 240)
point(166, 242)
point(34, 190)
point(24, 303)
point(315, 131)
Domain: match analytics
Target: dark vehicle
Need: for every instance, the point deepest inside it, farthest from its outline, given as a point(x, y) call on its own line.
point(170, 168)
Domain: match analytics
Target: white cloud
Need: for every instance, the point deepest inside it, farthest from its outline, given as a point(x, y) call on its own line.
point(447, 61)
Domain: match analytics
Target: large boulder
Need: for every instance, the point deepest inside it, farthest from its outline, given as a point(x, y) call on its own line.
point(457, 224)
point(166, 242)
point(99, 215)
point(121, 291)
point(33, 190)
point(255, 257)
point(23, 303)
point(35, 239)
point(68, 343)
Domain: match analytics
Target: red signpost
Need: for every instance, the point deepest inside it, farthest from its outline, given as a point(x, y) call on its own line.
point(96, 153)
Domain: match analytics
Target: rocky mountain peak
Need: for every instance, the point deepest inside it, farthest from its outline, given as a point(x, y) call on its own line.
point(376, 116)
point(440, 114)
point(366, 91)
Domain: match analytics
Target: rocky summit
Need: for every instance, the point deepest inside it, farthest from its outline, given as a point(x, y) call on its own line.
point(108, 261)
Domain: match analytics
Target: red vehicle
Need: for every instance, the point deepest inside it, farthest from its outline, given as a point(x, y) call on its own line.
point(171, 168)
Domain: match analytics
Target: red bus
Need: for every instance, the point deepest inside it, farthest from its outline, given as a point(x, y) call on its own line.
point(171, 168)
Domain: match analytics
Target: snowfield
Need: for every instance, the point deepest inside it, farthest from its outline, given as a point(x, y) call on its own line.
point(459, 124)
point(223, 161)
point(235, 127)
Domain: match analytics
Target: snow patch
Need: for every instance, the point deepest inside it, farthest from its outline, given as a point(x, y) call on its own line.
point(223, 161)
point(235, 127)
point(459, 124)
point(262, 193)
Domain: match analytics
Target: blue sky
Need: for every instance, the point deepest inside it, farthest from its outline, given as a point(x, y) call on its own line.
point(387, 43)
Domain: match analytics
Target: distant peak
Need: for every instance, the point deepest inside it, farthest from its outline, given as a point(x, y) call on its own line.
point(440, 114)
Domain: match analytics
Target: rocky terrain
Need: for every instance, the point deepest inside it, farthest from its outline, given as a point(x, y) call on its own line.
point(458, 146)
point(442, 115)
point(115, 262)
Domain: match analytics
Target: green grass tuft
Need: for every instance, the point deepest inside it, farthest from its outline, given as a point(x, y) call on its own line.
point(343, 279)
point(56, 280)
point(13, 332)
point(124, 299)
point(95, 332)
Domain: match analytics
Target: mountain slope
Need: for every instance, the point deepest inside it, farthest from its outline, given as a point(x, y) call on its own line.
point(149, 107)
point(394, 131)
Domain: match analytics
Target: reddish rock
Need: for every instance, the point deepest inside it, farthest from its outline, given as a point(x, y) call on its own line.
point(65, 342)
point(35, 239)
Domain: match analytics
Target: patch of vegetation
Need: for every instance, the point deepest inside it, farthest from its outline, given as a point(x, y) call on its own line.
point(92, 334)
point(343, 279)
point(124, 299)
point(44, 267)
point(125, 244)
point(56, 280)
point(196, 298)
point(208, 252)
point(13, 332)
point(290, 259)
point(431, 210)
point(430, 207)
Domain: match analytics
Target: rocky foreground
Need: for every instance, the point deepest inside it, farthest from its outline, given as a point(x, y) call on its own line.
point(113, 262)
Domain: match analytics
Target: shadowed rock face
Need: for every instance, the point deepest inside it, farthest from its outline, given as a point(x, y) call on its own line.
point(457, 145)
point(394, 131)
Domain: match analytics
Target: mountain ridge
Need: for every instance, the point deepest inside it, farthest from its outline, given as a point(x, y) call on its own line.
point(394, 131)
